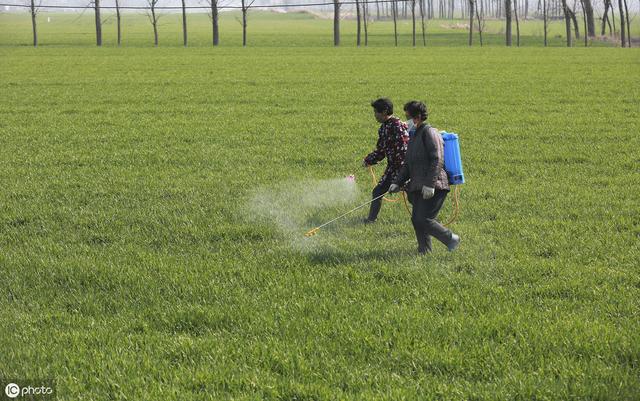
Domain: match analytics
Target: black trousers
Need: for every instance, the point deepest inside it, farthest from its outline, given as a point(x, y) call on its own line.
point(382, 187)
point(424, 221)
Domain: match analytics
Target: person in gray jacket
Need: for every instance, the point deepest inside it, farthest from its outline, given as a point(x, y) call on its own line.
point(428, 184)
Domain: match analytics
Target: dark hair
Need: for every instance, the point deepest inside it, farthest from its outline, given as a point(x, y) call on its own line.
point(383, 105)
point(417, 109)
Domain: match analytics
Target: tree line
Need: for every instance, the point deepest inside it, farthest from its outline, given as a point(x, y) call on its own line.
point(475, 11)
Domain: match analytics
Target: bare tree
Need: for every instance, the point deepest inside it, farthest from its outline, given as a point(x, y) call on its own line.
point(567, 21)
point(413, 19)
point(358, 24)
point(96, 11)
point(184, 23)
point(605, 17)
point(589, 17)
point(153, 18)
point(622, 27)
point(626, 10)
point(480, 21)
point(336, 22)
point(544, 16)
point(34, 12)
point(394, 8)
point(213, 15)
point(245, 10)
point(424, 35)
point(365, 14)
point(470, 22)
point(584, 18)
point(118, 22)
point(515, 12)
point(507, 12)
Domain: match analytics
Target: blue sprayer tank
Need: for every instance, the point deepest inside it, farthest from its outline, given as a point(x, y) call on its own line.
point(452, 158)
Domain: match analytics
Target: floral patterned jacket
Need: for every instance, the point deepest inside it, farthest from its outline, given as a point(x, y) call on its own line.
point(392, 144)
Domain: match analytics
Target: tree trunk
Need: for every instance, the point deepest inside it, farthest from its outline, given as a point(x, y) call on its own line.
point(96, 8)
point(605, 18)
point(576, 27)
point(591, 25)
point(507, 13)
point(378, 10)
point(244, 24)
point(33, 23)
point(584, 19)
point(184, 23)
point(626, 10)
point(424, 35)
point(479, 22)
point(119, 22)
point(155, 23)
point(214, 22)
point(394, 9)
point(358, 24)
point(544, 16)
point(470, 22)
point(413, 20)
point(622, 27)
point(515, 11)
point(336, 23)
point(567, 22)
point(365, 13)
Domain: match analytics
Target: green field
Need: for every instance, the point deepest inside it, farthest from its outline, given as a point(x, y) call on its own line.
point(139, 259)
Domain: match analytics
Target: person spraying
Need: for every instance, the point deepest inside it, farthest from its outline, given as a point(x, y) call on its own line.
point(392, 144)
point(426, 180)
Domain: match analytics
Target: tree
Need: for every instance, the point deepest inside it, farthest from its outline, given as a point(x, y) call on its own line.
point(245, 11)
point(365, 14)
point(424, 35)
point(567, 21)
point(336, 23)
point(507, 13)
point(470, 22)
point(626, 10)
point(622, 28)
point(394, 9)
point(588, 15)
point(96, 10)
point(584, 18)
point(213, 15)
point(118, 21)
point(515, 11)
point(184, 23)
point(153, 18)
point(605, 17)
point(358, 25)
point(34, 12)
point(480, 21)
point(544, 16)
point(413, 20)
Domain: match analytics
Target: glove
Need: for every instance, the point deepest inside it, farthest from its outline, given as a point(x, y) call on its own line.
point(427, 192)
point(394, 188)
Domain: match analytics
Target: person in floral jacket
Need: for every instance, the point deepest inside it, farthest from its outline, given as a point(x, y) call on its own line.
point(392, 144)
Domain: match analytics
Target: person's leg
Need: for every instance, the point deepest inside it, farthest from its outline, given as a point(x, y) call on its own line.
point(419, 219)
point(381, 188)
point(433, 226)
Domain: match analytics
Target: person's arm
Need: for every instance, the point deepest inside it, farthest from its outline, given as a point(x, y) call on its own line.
point(378, 153)
point(434, 154)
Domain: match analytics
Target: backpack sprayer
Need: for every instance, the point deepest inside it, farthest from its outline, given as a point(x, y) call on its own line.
point(452, 165)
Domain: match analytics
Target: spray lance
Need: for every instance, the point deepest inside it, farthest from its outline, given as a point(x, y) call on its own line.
point(314, 231)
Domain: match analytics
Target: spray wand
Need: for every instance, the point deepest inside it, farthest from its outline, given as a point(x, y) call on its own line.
point(314, 231)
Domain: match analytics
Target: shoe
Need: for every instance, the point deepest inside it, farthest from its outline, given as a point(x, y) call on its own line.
point(455, 241)
point(367, 221)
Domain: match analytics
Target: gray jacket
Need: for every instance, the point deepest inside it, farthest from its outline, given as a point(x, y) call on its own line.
point(424, 162)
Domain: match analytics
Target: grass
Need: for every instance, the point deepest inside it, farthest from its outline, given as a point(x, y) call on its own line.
point(131, 268)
